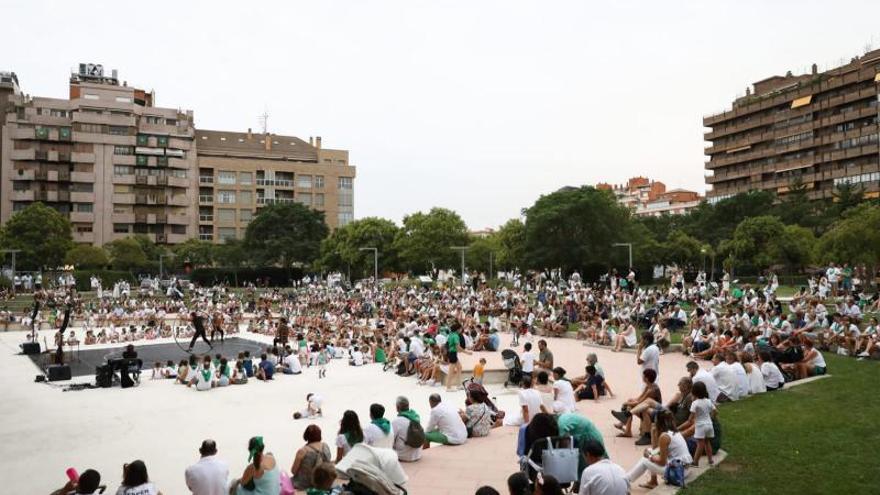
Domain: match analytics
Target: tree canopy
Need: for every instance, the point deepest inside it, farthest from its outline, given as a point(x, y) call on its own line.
point(285, 234)
point(341, 251)
point(41, 234)
point(424, 241)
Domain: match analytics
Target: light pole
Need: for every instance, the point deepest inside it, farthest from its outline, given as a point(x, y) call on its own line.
point(490, 265)
point(375, 263)
point(161, 267)
point(13, 251)
point(462, 250)
point(703, 251)
point(629, 246)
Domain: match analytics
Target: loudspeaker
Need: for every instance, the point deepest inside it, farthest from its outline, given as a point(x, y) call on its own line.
point(30, 348)
point(104, 376)
point(59, 372)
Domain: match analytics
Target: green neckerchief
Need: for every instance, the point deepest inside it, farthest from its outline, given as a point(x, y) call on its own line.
point(258, 446)
point(410, 415)
point(351, 442)
point(383, 424)
point(317, 491)
point(206, 374)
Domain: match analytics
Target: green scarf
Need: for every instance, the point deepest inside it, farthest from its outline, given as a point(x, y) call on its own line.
point(410, 415)
point(258, 446)
point(351, 441)
point(383, 424)
point(206, 373)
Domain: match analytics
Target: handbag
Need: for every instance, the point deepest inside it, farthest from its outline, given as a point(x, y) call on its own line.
point(561, 462)
point(674, 474)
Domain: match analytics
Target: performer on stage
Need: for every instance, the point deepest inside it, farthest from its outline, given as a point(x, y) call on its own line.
point(198, 322)
point(59, 337)
point(217, 325)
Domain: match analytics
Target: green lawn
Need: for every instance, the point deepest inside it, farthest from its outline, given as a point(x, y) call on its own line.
point(818, 438)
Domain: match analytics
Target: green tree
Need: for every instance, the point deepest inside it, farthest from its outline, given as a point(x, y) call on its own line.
point(796, 208)
point(197, 252)
point(424, 241)
point(713, 223)
point(572, 228)
point(683, 250)
point(479, 252)
point(127, 254)
point(511, 245)
point(285, 234)
point(86, 256)
point(341, 251)
point(40, 233)
point(854, 238)
point(794, 247)
point(754, 238)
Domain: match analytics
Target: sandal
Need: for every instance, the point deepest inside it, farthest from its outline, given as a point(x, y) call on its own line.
point(624, 435)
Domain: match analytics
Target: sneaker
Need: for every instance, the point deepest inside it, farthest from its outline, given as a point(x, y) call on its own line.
point(429, 383)
point(864, 354)
point(644, 440)
point(620, 415)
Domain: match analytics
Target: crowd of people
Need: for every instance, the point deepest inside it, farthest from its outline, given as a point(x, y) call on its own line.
point(755, 344)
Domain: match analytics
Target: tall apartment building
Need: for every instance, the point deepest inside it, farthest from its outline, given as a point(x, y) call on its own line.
point(818, 129)
point(241, 172)
point(118, 165)
point(646, 197)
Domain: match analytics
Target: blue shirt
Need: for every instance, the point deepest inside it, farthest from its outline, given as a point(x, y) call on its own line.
point(267, 368)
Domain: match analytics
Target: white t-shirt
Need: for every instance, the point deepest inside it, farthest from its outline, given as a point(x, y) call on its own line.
point(530, 398)
point(445, 419)
point(375, 437)
point(702, 409)
point(772, 376)
point(209, 476)
point(416, 347)
point(604, 478)
point(145, 489)
point(726, 380)
point(651, 359)
point(564, 396)
point(742, 379)
point(711, 385)
point(292, 362)
point(405, 453)
point(528, 362)
point(357, 358)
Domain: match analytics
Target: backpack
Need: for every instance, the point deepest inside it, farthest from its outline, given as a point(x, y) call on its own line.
point(415, 435)
point(674, 474)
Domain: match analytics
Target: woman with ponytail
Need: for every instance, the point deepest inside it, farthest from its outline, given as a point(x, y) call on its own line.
point(350, 434)
point(261, 476)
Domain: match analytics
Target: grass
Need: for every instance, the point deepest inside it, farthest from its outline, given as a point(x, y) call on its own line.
point(822, 437)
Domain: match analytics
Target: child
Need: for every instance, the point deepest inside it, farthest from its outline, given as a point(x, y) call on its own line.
point(157, 371)
point(313, 407)
point(239, 376)
point(169, 371)
point(323, 358)
point(323, 477)
point(479, 369)
point(702, 411)
point(248, 364)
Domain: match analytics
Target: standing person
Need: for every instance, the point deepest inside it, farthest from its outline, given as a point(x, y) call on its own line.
point(401, 428)
point(378, 432)
point(528, 362)
point(198, 322)
point(217, 326)
point(453, 345)
point(261, 476)
point(702, 410)
point(135, 480)
point(601, 477)
point(444, 424)
point(209, 476)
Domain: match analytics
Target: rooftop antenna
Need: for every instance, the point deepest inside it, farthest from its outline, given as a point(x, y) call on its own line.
point(264, 120)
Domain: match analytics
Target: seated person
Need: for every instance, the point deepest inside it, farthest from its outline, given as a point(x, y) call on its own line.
point(444, 424)
point(592, 388)
point(291, 364)
point(265, 369)
point(650, 397)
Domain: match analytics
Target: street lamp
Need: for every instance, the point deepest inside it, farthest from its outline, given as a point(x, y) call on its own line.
point(629, 247)
point(375, 263)
point(462, 250)
point(13, 251)
point(161, 267)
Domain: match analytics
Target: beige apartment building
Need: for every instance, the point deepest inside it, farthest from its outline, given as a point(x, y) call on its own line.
point(118, 165)
point(240, 172)
point(819, 129)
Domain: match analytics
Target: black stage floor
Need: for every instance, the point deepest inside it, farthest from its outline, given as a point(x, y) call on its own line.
point(89, 359)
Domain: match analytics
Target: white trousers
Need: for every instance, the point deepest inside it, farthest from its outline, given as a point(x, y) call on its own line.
point(643, 465)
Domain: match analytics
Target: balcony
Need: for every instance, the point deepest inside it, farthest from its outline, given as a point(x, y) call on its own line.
point(84, 237)
point(27, 195)
point(177, 219)
point(178, 200)
point(206, 199)
point(161, 238)
point(82, 217)
point(177, 181)
point(206, 180)
point(127, 198)
point(123, 217)
point(270, 201)
point(206, 237)
point(206, 218)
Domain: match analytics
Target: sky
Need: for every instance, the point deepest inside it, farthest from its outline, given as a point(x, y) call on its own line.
point(477, 106)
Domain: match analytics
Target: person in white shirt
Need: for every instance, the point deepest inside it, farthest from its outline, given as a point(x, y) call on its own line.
point(726, 379)
point(700, 375)
point(209, 476)
point(292, 364)
point(773, 377)
point(563, 393)
point(527, 360)
point(649, 354)
point(601, 476)
point(399, 427)
point(530, 404)
point(357, 357)
point(742, 378)
point(378, 433)
point(444, 424)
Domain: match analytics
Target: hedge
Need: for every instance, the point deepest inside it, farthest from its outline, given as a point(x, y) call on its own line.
point(276, 276)
point(107, 277)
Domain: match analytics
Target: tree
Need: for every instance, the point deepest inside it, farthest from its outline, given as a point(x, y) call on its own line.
point(231, 254)
point(713, 223)
point(197, 252)
point(754, 240)
point(127, 254)
point(424, 241)
point(511, 245)
point(572, 228)
point(40, 233)
point(795, 208)
point(794, 247)
point(285, 234)
point(479, 252)
point(683, 250)
point(86, 256)
point(341, 251)
point(854, 238)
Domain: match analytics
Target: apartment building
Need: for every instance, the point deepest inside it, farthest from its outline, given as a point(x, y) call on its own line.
point(117, 165)
point(818, 129)
point(240, 172)
point(646, 197)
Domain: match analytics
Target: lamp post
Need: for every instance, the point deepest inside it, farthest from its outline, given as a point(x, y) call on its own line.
point(703, 252)
point(629, 247)
point(161, 266)
point(13, 251)
point(375, 263)
point(462, 250)
point(490, 265)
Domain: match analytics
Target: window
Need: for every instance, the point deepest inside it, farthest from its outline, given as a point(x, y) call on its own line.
point(54, 112)
point(170, 121)
point(245, 216)
point(122, 188)
point(345, 183)
point(304, 181)
point(178, 229)
point(121, 228)
point(123, 99)
point(245, 198)
point(119, 130)
point(83, 228)
point(82, 187)
point(224, 233)
point(225, 177)
point(246, 178)
point(123, 209)
point(123, 150)
point(226, 215)
point(344, 218)
point(83, 207)
point(319, 200)
point(319, 182)
point(345, 200)
point(226, 197)
point(91, 128)
point(304, 198)
point(88, 96)
point(21, 185)
point(152, 119)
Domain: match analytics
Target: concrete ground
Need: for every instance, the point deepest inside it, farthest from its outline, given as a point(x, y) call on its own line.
point(46, 430)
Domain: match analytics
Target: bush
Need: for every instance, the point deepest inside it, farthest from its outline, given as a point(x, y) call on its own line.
point(107, 278)
point(277, 276)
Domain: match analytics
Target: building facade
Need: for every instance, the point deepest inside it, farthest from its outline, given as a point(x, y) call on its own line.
point(646, 197)
point(118, 165)
point(818, 130)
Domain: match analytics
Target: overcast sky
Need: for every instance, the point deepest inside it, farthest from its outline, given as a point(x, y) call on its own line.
point(477, 106)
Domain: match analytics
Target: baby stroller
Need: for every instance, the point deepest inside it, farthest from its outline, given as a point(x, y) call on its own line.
point(479, 393)
point(513, 365)
point(372, 471)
